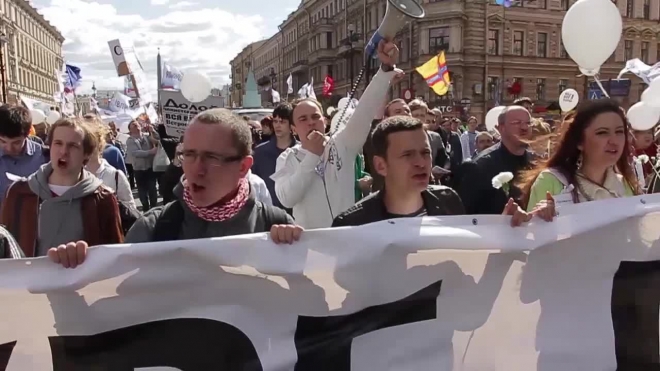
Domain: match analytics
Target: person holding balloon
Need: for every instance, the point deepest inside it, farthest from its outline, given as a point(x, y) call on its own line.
point(591, 161)
point(19, 156)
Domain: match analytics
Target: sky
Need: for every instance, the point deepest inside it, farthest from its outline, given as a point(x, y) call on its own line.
point(193, 35)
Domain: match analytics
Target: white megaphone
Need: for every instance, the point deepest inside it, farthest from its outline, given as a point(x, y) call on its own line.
point(396, 16)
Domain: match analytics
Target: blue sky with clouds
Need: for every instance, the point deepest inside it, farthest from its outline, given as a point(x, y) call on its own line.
point(199, 35)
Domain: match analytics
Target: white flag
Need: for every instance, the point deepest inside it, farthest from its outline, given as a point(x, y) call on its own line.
point(289, 83)
point(303, 91)
point(171, 77)
point(310, 89)
point(642, 70)
point(276, 96)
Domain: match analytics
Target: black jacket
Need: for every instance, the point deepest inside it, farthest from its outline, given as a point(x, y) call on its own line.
point(438, 200)
point(474, 180)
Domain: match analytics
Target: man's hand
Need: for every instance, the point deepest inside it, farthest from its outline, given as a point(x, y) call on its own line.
point(398, 76)
point(365, 183)
point(545, 209)
point(518, 215)
point(388, 53)
point(70, 255)
point(315, 143)
point(285, 233)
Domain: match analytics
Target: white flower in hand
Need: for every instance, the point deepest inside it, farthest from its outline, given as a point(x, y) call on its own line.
point(643, 159)
point(501, 181)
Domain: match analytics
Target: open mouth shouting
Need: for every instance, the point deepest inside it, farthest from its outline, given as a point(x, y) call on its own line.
point(62, 163)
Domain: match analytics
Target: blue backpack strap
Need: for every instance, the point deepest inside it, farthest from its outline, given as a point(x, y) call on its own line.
point(168, 224)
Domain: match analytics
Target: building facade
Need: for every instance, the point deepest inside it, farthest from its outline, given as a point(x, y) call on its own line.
point(31, 53)
point(494, 54)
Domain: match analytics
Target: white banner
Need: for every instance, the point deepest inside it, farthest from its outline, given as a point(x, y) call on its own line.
point(118, 58)
point(177, 111)
point(171, 77)
point(581, 293)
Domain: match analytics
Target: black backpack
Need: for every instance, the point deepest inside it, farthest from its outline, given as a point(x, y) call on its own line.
point(128, 213)
point(168, 224)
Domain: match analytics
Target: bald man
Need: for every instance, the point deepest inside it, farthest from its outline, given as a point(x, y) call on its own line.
point(474, 179)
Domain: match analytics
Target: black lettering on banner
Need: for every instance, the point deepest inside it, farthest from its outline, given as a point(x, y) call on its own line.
point(189, 344)
point(324, 343)
point(635, 312)
point(5, 354)
point(171, 103)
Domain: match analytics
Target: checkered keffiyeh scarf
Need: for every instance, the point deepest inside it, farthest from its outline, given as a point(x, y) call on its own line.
point(221, 212)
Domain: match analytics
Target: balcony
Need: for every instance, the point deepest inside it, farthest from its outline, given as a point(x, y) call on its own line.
point(321, 54)
point(323, 25)
point(345, 45)
point(299, 66)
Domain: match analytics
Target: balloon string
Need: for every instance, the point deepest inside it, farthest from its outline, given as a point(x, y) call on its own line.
point(601, 86)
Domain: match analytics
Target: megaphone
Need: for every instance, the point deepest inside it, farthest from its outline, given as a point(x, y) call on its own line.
point(396, 16)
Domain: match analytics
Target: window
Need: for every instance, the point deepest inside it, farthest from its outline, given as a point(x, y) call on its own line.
point(542, 44)
point(493, 42)
point(540, 89)
point(628, 50)
point(630, 6)
point(562, 50)
point(647, 9)
point(657, 53)
point(438, 39)
point(518, 42)
point(645, 52)
point(543, 4)
point(493, 87)
point(564, 4)
point(563, 85)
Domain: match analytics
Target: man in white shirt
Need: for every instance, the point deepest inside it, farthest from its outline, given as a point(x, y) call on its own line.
point(317, 178)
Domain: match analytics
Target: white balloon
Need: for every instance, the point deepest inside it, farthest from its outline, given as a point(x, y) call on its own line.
point(52, 117)
point(589, 71)
point(491, 117)
point(568, 99)
point(344, 102)
point(591, 31)
point(334, 123)
point(651, 95)
point(38, 116)
point(195, 86)
point(642, 116)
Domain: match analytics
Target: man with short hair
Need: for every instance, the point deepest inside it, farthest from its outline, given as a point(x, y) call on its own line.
point(215, 198)
point(18, 155)
point(266, 154)
point(420, 111)
point(510, 155)
point(403, 158)
point(469, 138)
point(484, 141)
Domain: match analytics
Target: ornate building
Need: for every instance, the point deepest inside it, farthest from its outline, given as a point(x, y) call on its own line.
point(31, 53)
point(494, 54)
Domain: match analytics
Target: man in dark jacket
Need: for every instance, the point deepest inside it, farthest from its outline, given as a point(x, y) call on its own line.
point(474, 183)
point(402, 155)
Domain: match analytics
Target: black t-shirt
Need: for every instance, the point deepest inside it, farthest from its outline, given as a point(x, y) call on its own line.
point(420, 212)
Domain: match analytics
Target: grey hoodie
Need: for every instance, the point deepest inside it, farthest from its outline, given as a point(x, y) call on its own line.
point(60, 218)
point(248, 220)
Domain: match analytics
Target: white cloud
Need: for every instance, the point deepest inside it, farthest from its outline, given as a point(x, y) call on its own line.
point(195, 39)
point(159, 2)
point(181, 4)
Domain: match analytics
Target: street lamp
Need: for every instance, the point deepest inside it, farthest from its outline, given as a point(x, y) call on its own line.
point(349, 42)
point(273, 77)
point(3, 42)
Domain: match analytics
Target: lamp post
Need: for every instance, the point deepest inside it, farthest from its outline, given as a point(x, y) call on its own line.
point(273, 79)
point(3, 42)
point(349, 42)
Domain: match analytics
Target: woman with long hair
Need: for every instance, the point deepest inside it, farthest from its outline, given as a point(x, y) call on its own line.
point(590, 162)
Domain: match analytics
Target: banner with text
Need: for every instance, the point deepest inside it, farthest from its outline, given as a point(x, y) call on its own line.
point(452, 293)
point(177, 111)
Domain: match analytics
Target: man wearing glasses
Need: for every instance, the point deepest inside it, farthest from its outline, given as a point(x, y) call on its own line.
point(474, 184)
